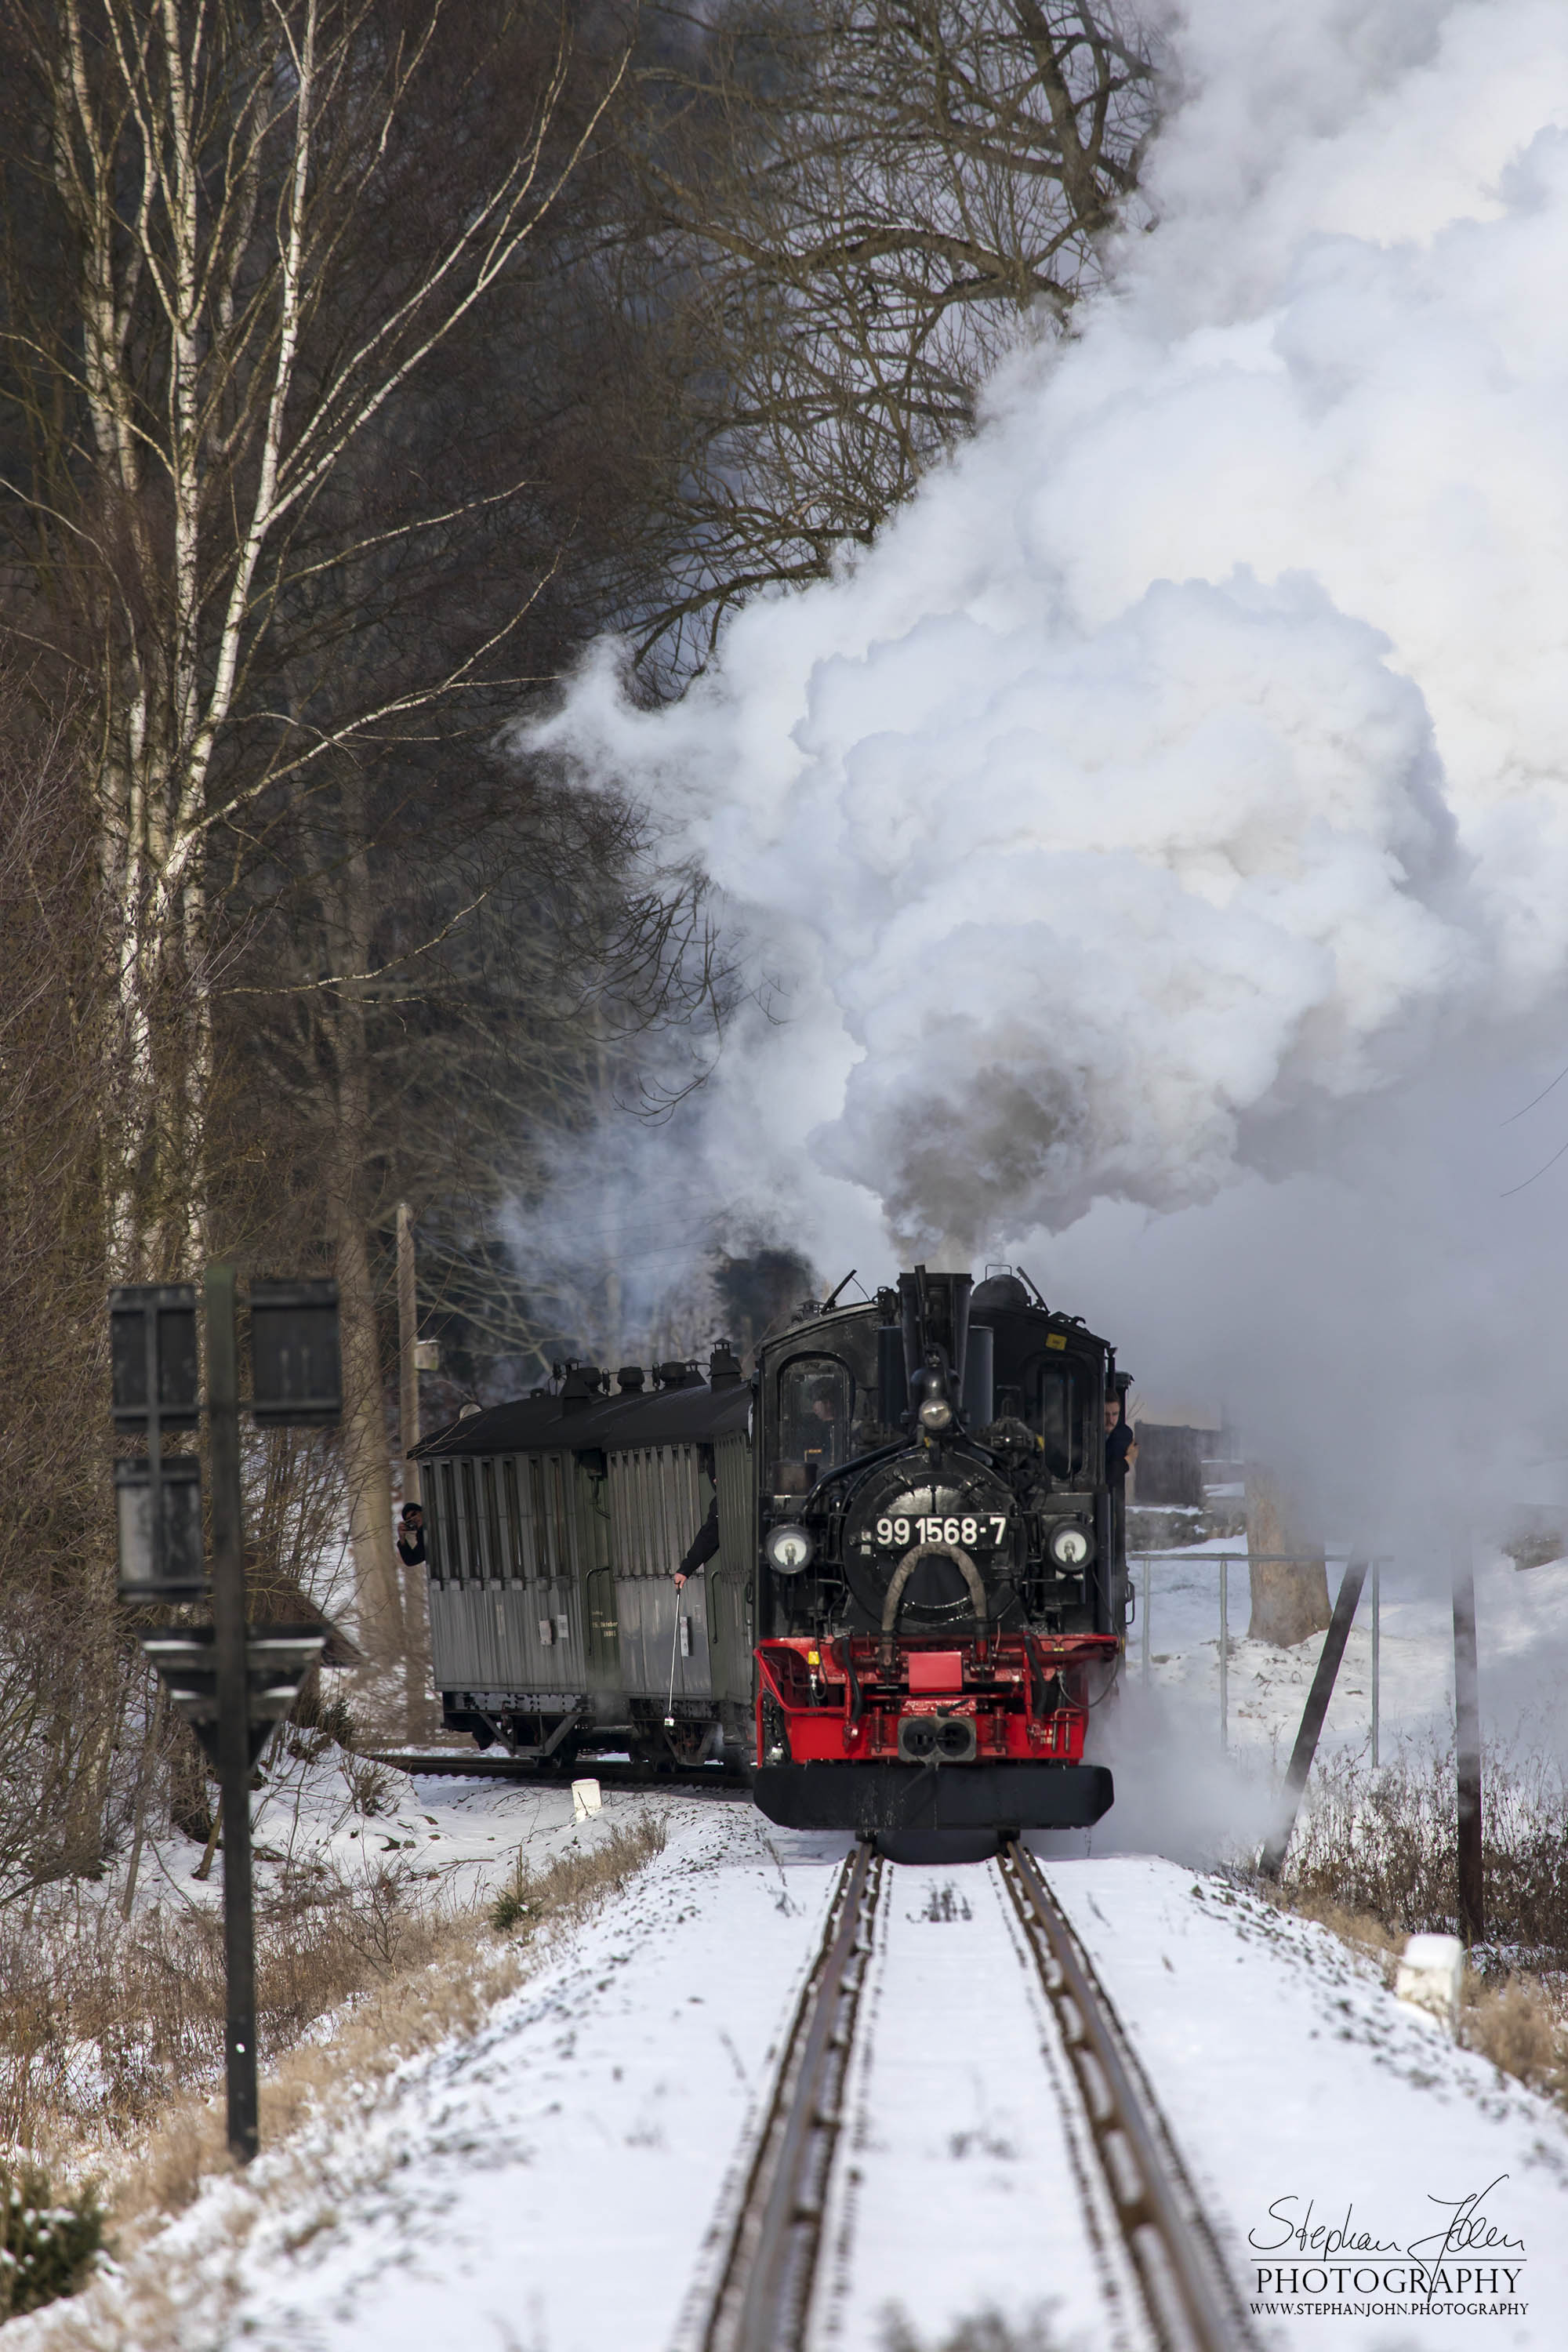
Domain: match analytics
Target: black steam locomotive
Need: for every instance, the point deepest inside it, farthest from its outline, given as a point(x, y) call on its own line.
point(919, 1586)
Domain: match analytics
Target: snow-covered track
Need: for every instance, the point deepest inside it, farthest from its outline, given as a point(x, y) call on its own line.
point(1190, 2300)
point(763, 2293)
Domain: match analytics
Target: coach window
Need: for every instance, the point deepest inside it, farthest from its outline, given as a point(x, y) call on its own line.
point(473, 1559)
point(514, 1518)
point(1061, 1409)
point(816, 1406)
point(558, 1516)
point(537, 1520)
point(451, 1540)
point(435, 1520)
point(494, 1561)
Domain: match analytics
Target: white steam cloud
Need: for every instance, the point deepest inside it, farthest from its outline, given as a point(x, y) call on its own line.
point(1182, 774)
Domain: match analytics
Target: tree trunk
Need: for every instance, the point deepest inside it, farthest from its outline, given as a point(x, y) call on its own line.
point(423, 1721)
point(365, 1465)
point(1290, 1578)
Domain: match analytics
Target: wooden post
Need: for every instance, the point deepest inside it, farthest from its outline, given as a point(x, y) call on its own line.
point(1467, 1755)
point(233, 1709)
point(1312, 1715)
point(407, 1363)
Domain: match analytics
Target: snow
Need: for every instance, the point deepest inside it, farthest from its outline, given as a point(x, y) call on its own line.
point(560, 2179)
point(1293, 2080)
point(328, 1811)
point(963, 2131)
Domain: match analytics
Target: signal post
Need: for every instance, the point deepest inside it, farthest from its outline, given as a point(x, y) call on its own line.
point(230, 1681)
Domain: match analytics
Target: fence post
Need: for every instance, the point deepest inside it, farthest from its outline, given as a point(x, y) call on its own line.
point(1224, 1653)
point(1467, 1755)
point(1376, 1629)
point(1317, 1707)
point(1147, 1597)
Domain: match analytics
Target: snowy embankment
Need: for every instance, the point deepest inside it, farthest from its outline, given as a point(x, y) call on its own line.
point(553, 2180)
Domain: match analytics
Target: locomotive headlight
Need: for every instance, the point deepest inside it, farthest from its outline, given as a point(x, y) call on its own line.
point(789, 1550)
point(936, 1413)
point(1068, 1546)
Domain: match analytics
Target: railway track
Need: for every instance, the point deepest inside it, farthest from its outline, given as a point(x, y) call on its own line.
point(763, 2293)
point(1189, 2299)
point(764, 2296)
point(452, 1765)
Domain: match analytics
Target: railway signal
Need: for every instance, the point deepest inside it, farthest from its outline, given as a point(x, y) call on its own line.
point(229, 1680)
point(156, 1387)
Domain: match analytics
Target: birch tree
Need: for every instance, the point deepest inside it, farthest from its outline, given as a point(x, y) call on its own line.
point(260, 223)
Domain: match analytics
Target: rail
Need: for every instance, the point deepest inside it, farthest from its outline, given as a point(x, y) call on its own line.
point(1191, 2304)
point(763, 2293)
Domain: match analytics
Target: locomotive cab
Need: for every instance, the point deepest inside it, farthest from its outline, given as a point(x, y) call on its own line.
point(940, 1587)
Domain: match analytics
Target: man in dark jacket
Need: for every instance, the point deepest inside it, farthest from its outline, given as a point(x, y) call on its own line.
point(411, 1537)
point(1120, 1440)
point(703, 1546)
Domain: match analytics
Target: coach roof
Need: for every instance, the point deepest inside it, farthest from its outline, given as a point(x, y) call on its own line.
point(688, 1415)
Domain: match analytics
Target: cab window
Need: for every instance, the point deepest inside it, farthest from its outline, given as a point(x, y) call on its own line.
point(816, 1408)
point(1061, 1409)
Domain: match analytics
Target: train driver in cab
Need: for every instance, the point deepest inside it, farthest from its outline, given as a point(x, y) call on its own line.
point(814, 1445)
point(1120, 1439)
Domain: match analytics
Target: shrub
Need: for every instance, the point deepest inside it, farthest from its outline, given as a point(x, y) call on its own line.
point(1386, 1843)
point(47, 2244)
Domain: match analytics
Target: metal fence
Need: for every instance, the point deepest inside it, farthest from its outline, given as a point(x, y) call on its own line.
point(1224, 1562)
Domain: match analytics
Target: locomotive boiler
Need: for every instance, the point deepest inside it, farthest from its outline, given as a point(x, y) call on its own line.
point(919, 1594)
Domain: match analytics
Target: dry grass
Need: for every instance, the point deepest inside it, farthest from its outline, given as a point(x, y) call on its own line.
point(104, 2019)
point(440, 1980)
point(184, 2299)
point(1360, 1929)
point(140, 2009)
point(1521, 2025)
point(1383, 1845)
point(1375, 1861)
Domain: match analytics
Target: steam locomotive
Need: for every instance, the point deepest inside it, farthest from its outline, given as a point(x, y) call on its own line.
point(919, 1586)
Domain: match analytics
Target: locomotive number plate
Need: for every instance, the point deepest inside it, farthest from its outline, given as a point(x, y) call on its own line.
point(985, 1528)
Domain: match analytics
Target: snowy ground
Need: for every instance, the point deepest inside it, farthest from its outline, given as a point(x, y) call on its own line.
point(552, 2183)
point(341, 1815)
point(559, 2181)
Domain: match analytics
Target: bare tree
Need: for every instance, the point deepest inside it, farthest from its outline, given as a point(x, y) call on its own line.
point(848, 211)
point(62, 1685)
point(266, 244)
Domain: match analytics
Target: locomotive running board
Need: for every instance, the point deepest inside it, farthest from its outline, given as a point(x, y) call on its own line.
point(871, 1798)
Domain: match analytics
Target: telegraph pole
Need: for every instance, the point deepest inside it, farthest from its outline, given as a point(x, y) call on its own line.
point(407, 1352)
point(233, 1706)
